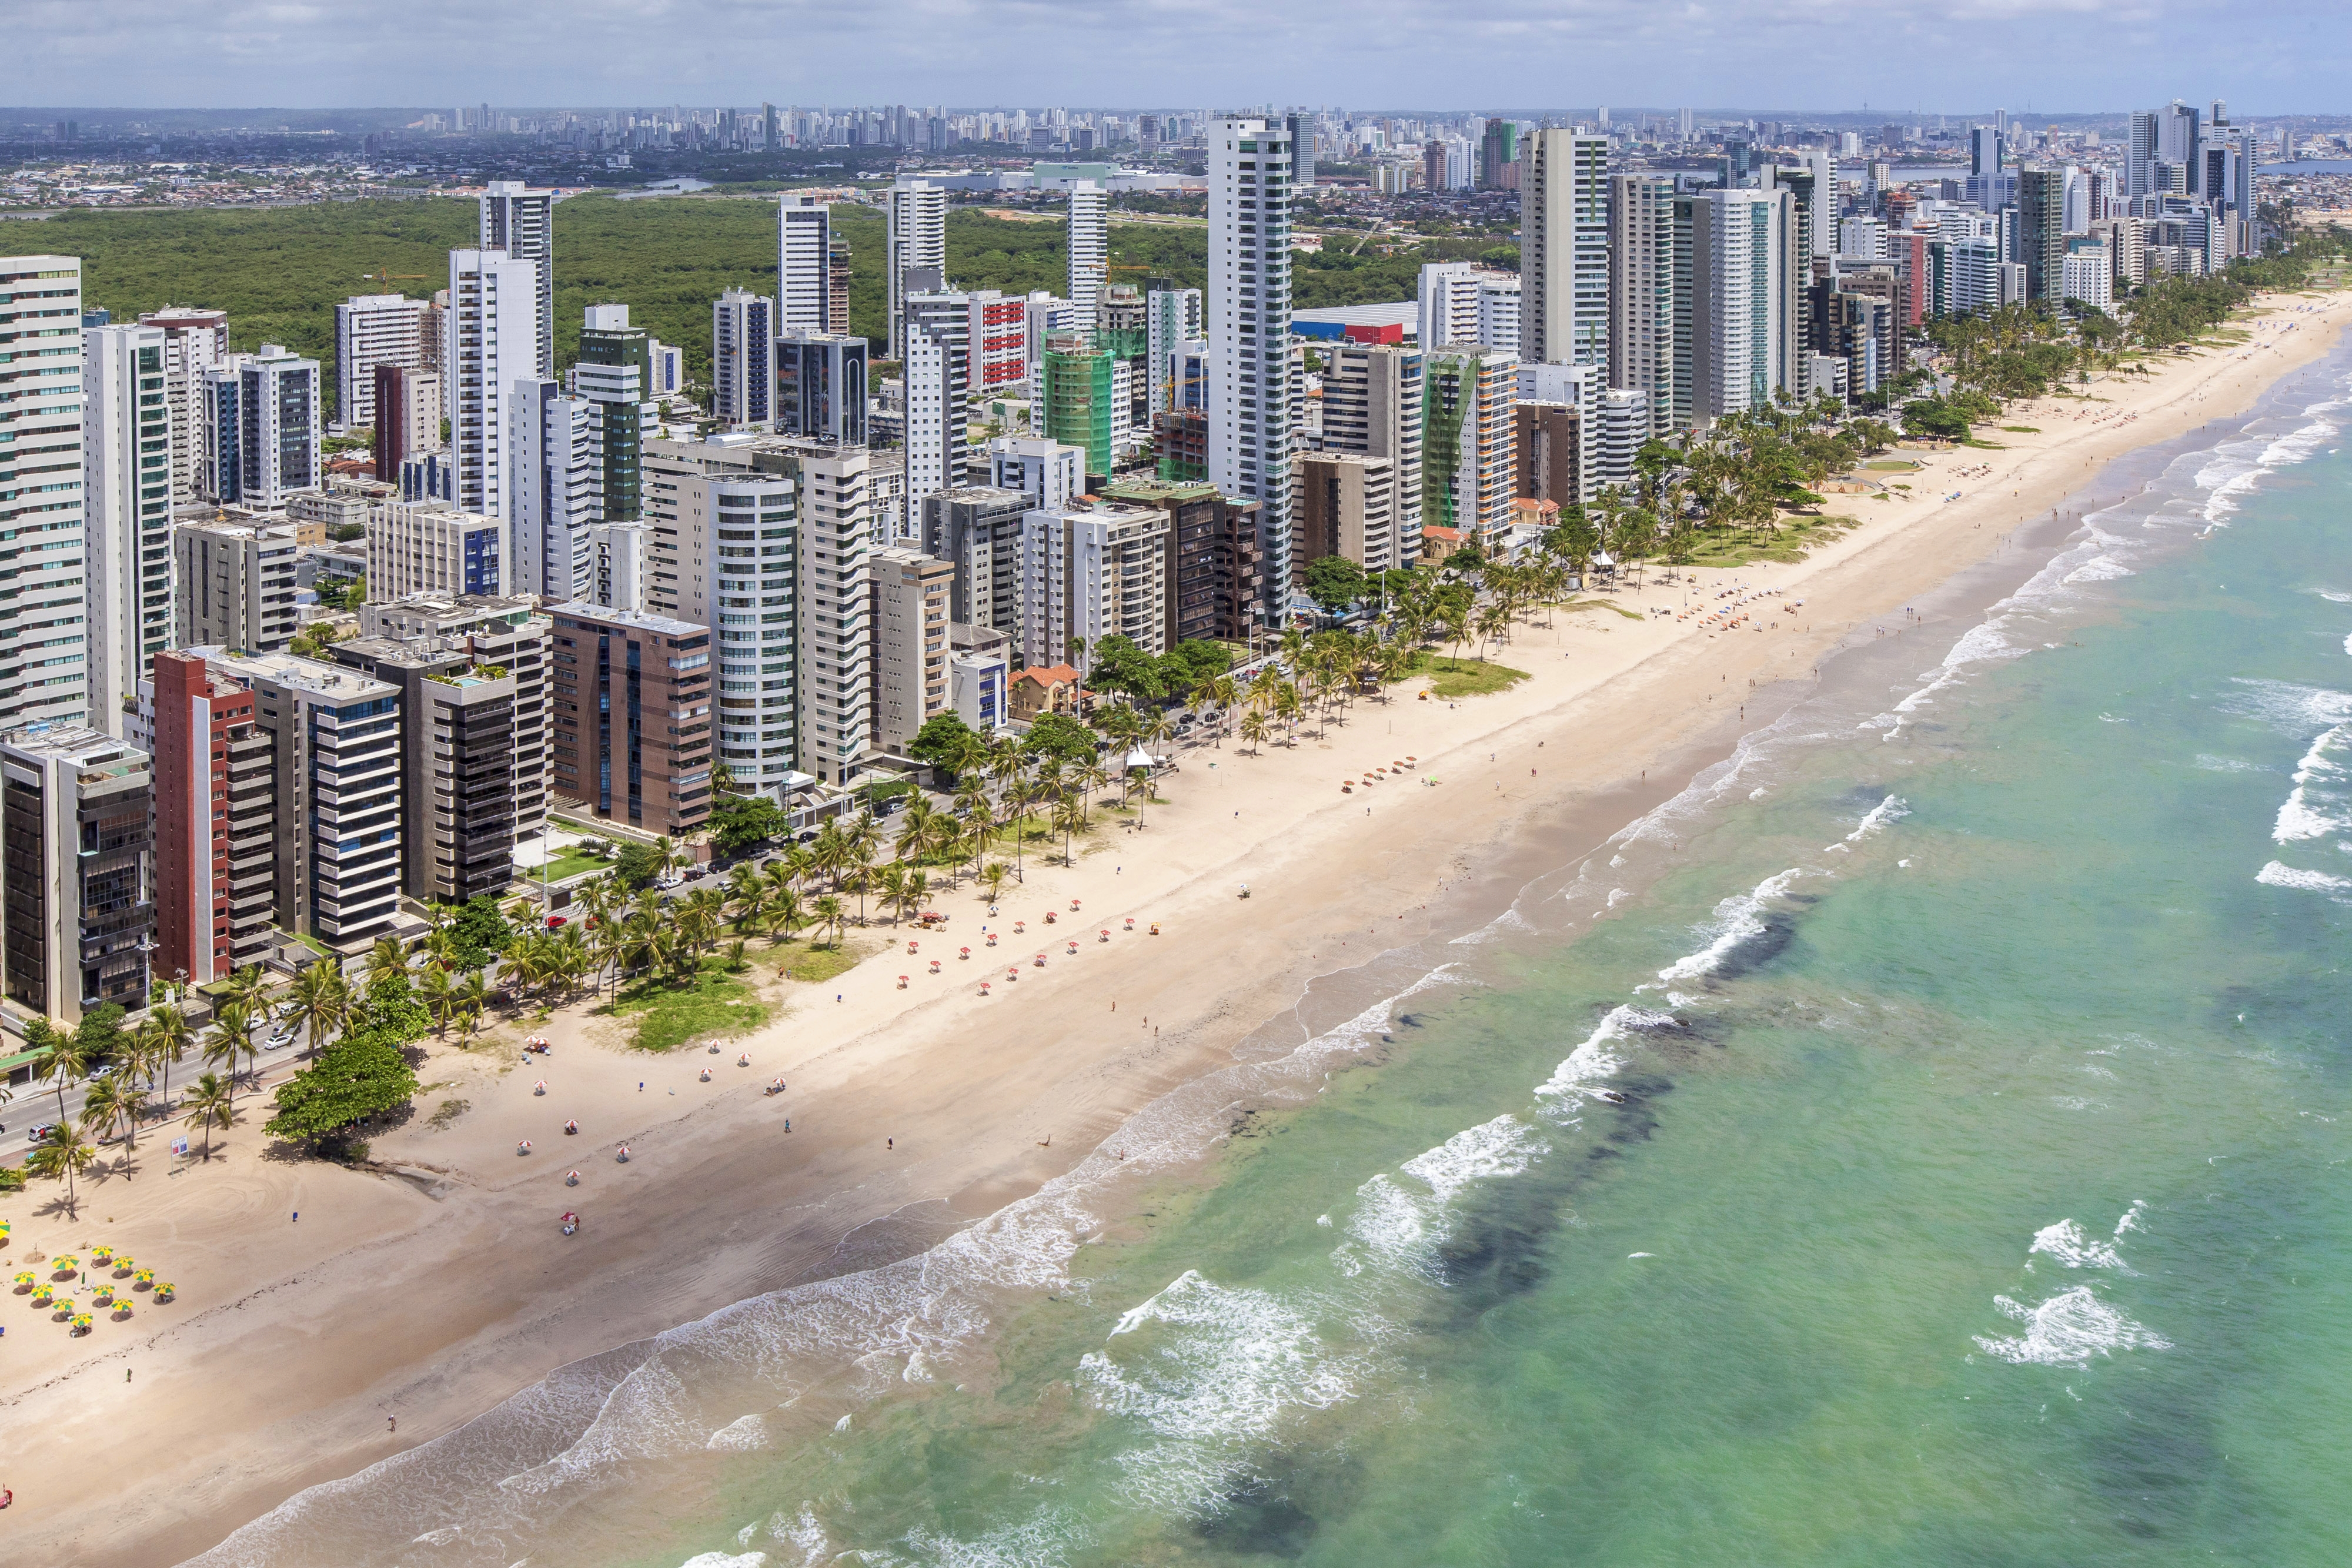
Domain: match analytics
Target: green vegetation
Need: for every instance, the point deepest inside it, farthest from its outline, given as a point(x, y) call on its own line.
point(812, 964)
point(588, 855)
point(1789, 542)
point(740, 823)
point(668, 1015)
point(361, 1078)
point(943, 739)
point(1059, 735)
point(1465, 677)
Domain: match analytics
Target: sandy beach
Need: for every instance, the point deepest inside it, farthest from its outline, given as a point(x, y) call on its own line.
point(423, 1297)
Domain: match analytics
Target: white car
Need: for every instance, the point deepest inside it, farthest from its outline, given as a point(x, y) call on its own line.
point(278, 1041)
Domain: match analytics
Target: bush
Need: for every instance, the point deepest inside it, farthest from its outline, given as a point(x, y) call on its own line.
point(362, 1075)
point(1059, 734)
point(636, 866)
point(743, 822)
point(479, 925)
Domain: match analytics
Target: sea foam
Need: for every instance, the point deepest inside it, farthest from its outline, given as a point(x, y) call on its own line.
point(2067, 1330)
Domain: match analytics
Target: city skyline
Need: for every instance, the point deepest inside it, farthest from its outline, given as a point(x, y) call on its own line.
point(1961, 59)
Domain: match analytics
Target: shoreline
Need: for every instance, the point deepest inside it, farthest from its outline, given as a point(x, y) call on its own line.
point(281, 1366)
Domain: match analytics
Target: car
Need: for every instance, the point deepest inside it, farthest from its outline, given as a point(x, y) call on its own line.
point(556, 920)
point(696, 874)
point(37, 1134)
point(100, 1070)
point(277, 1043)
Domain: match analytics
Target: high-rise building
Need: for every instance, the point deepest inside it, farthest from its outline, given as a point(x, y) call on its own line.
point(1432, 165)
point(742, 329)
point(1079, 398)
point(1373, 404)
point(1346, 506)
point(552, 498)
point(235, 586)
point(261, 431)
point(837, 273)
point(630, 732)
point(2178, 135)
point(1251, 415)
point(1051, 473)
point(935, 343)
point(1467, 463)
point(2042, 230)
point(2140, 154)
point(821, 380)
point(1087, 572)
point(494, 341)
point(1214, 567)
point(76, 866)
point(1499, 302)
point(1649, 284)
point(911, 679)
point(1300, 130)
point(126, 485)
point(614, 373)
point(371, 330)
point(1172, 323)
point(194, 342)
point(803, 265)
point(1743, 311)
point(916, 238)
point(473, 676)
point(520, 220)
point(1090, 244)
point(429, 548)
point(1548, 448)
point(1564, 248)
point(1499, 152)
point(739, 560)
point(842, 522)
point(977, 531)
point(1449, 303)
point(334, 751)
point(216, 821)
point(407, 417)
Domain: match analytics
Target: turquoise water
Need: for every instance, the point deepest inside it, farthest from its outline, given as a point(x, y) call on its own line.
point(1925, 1142)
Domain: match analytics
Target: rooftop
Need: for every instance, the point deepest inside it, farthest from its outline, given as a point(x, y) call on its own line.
point(581, 611)
point(90, 751)
point(294, 672)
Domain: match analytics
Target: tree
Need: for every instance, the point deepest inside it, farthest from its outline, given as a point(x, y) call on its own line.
point(740, 823)
point(101, 1032)
point(232, 1038)
point(479, 927)
point(63, 1057)
point(111, 1104)
point(1334, 582)
point(320, 1002)
point(1060, 736)
point(210, 1103)
point(831, 915)
point(1119, 666)
point(172, 1038)
point(359, 1076)
point(636, 866)
point(60, 1156)
point(941, 741)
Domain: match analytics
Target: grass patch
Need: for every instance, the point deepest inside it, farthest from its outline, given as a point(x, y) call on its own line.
point(1789, 542)
point(1465, 677)
point(570, 863)
point(315, 945)
point(1602, 605)
point(1984, 446)
point(2023, 429)
point(809, 963)
point(447, 1112)
point(1891, 464)
point(714, 1003)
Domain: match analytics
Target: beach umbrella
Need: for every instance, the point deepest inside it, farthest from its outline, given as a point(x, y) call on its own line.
point(165, 1291)
point(540, 1087)
point(902, 982)
point(935, 966)
point(963, 952)
point(984, 987)
point(572, 1178)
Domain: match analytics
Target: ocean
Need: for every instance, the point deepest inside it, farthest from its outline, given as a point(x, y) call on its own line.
point(1924, 1141)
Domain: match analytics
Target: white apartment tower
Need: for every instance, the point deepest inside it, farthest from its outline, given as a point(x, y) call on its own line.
point(1250, 421)
point(261, 427)
point(803, 263)
point(742, 338)
point(1743, 306)
point(494, 341)
point(554, 491)
point(1449, 303)
point(1088, 571)
point(520, 220)
point(838, 534)
point(917, 239)
point(935, 347)
point(1089, 245)
point(1564, 248)
point(127, 512)
point(739, 557)
point(373, 329)
point(194, 342)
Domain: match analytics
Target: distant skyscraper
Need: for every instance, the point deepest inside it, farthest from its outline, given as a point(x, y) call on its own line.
point(493, 343)
point(1249, 302)
point(916, 238)
point(1301, 131)
point(2177, 136)
point(520, 220)
point(1171, 319)
point(2140, 155)
point(2042, 230)
point(373, 329)
point(126, 488)
point(1498, 150)
point(1564, 248)
point(616, 364)
point(742, 329)
point(1089, 245)
point(804, 263)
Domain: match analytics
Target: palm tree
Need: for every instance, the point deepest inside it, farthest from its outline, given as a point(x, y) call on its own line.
point(65, 1058)
point(438, 993)
point(915, 893)
point(60, 1156)
point(830, 916)
point(385, 960)
point(320, 1002)
point(232, 1038)
point(992, 876)
point(472, 998)
point(1254, 728)
point(210, 1103)
point(890, 886)
point(785, 915)
point(111, 1104)
point(1020, 799)
point(748, 892)
point(1069, 821)
point(173, 1037)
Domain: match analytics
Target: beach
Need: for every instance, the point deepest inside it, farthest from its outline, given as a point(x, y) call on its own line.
point(427, 1298)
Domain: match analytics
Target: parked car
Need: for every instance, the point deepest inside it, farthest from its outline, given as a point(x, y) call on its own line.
point(279, 1041)
point(696, 874)
point(556, 920)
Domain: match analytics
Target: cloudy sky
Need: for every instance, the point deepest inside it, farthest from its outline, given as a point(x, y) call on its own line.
point(1930, 56)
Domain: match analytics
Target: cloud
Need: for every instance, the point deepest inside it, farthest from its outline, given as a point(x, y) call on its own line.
point(1928, 56)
